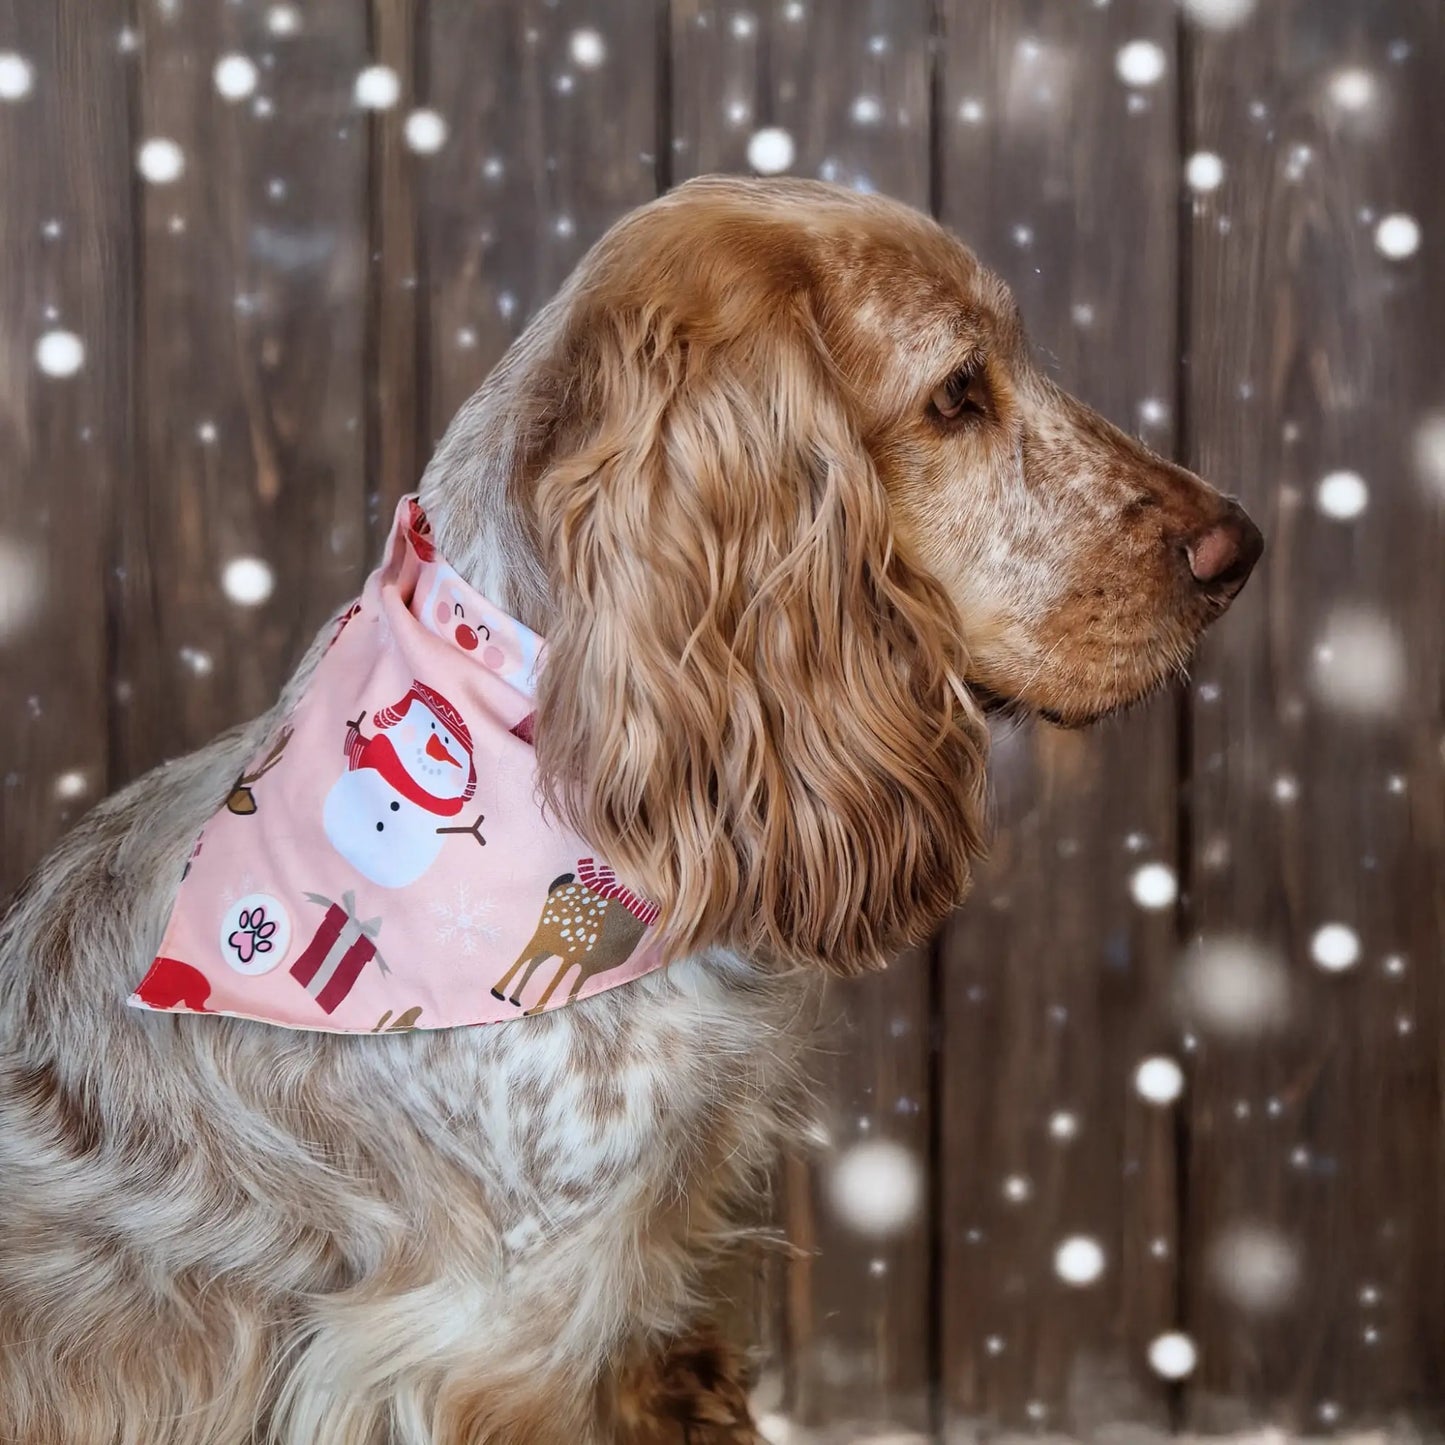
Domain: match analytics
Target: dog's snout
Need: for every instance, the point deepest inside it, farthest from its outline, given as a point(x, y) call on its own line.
point(1223, 555)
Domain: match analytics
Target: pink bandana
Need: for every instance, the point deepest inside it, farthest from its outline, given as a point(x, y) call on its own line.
point(384, 863)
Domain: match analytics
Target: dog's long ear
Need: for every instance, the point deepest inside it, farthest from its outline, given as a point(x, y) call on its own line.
point(752, 705)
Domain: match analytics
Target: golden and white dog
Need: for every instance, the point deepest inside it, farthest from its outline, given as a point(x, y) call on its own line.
point(774, 475)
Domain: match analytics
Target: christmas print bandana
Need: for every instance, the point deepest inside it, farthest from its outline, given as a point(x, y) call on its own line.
point(384, 863)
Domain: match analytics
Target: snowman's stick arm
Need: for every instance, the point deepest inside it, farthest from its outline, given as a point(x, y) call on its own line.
point(475, 829)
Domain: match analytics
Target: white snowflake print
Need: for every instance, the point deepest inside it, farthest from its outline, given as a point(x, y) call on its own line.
point(466, 919)
point(240, 888)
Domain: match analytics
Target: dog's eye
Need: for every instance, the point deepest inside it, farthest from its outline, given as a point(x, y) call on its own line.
point(961, 395)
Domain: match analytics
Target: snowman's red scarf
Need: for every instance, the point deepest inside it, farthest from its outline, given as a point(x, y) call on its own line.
point(378, 751)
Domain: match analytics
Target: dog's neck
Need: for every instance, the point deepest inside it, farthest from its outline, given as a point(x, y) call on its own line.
point(475, 489)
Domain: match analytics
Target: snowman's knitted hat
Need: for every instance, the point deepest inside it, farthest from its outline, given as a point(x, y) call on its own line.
point(444, 713)
point(431, 699)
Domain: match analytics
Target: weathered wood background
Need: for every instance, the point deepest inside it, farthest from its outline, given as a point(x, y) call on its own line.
point(1225, 226)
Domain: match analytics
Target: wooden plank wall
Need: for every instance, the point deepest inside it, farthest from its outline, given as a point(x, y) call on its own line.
point(281, 304)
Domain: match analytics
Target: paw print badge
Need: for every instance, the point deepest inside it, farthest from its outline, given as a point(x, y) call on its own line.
point(255, 934)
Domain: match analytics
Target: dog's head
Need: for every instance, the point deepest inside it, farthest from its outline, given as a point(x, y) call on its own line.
point(777, 479)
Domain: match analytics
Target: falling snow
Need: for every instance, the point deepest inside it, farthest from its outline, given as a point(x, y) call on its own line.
point(60, 353)
point(1159, 1080)
point(1234, 987)
point(1079, 1260)
point(1204, 172)
point(378, 87)
point(1335, 947)
point(587, 49)
point(1140, 62)
point(1255, 1267)
point(1154, 886)
point(771, 151)
point(1218, 14)
point(1359, 666)
point(1173, 1356)
point(876, 1187)
point(1397, 236)
point(283, 20)
point(17, 76)
point(247, 581)
point(21, 587)
point(1428, 450)
point(1351, 89)
point(235, 76)
point(1342, 495)
point(160, 161)
point(426, 132)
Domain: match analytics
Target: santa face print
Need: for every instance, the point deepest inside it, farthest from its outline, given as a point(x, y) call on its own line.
point(430, 754)
point(502, 645)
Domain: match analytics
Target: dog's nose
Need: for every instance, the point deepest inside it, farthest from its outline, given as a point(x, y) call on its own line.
point(1223, 555)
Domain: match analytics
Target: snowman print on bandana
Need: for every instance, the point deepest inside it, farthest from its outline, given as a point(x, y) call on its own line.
point(387, 813)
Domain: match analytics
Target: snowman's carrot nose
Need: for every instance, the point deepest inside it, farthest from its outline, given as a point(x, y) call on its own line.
point(436, 749)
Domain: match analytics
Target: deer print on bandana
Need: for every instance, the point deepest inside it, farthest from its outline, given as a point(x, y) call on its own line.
point(589, 919)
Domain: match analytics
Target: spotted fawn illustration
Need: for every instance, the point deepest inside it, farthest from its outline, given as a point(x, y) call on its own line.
point(590, 920)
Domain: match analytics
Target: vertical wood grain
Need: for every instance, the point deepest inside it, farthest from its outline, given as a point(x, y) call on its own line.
point(397, 447)
point(849, 86)
point(65, 257)
point(1317, 794)
point(251, 302)
point(1063, 178)
point(552, 111)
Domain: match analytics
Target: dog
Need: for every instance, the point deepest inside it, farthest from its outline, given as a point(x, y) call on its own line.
point(775, 478)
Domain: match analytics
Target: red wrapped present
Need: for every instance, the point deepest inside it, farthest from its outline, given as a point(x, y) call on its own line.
point(341, 947)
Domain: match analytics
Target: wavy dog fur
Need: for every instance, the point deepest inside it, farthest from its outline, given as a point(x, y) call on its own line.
point(774, 574)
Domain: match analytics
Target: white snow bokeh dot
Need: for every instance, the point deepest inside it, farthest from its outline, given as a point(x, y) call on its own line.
point(1204, 172)
point(1154, 886)
point(1234, 987)
point(21, 587)
point(248, 581)
point(1351, 89)
point(771, 151)
point(1063, 1126)
point(283, 20)
point(60, 353)
point(1397, 236)
point(1159, 1080)
point(1254, 1266)
point(17, 76)
point(1218, 14)
point(876, 1187)
point(1140, 63)
point(867, 110)
point(160, 161)
point(1359, 663)
point(1079, 1260)
point(587, 49)
point(235, 76)
point(378, 87)
point(71, 785)
point(1335, 947)
point(426, 131)
point(1172, 1356)
point(1429, 451)
point(1342, 495)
